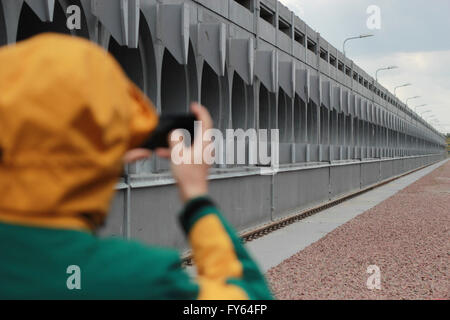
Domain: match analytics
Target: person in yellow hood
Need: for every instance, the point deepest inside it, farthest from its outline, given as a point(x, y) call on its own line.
point(69, 117)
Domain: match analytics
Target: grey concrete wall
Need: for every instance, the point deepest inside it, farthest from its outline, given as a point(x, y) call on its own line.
point(344, 178)
point(386, 169)
point(370, 173)
point(115, 224)
point(247, 199)
point(306, 187)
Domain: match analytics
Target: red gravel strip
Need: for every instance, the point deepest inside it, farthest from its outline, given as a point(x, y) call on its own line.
point(407, 236)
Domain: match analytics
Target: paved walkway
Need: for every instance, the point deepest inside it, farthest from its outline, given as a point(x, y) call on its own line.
point(404, 231)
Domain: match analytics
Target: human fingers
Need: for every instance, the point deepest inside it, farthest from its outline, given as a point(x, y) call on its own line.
point(136, 154)
point(163, 153)
point(202, 114)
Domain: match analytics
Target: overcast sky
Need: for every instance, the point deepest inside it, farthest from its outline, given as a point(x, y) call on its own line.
point(414, 35)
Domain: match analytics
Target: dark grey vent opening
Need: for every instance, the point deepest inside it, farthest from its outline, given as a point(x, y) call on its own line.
point(312, 46)
point(284, 27)
point(246, 4)
point(267, 15)
point(324, 54)
point(299, 37)
point(333, 61)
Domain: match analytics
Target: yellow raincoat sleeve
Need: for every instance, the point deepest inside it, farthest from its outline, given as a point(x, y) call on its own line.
point(225, 269)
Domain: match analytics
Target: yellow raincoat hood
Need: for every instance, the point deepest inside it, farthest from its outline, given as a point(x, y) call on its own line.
point(68, 113)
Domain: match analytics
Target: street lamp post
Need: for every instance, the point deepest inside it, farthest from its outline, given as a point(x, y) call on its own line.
point(428, 119)
point(437, 123)
point(352, 38)
point(422, 105)
point(387, 68)
point(424, 113)
point(403, 85)
point(416, 97)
